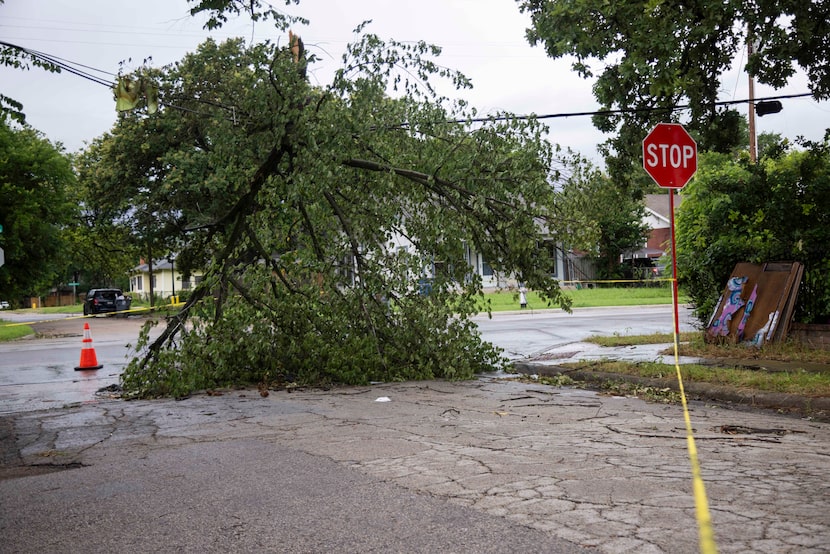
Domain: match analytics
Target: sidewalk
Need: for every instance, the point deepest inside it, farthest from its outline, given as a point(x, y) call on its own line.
point(491, 465)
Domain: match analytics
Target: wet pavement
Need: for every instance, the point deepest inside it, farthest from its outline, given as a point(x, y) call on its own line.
point(491, 465)
point(38, 372)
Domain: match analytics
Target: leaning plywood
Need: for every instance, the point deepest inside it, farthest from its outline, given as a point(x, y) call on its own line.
point(757, 304)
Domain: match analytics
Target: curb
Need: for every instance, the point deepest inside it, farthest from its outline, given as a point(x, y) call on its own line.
point(818, 407)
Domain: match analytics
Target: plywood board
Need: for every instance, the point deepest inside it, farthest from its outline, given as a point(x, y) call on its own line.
point(775, 286)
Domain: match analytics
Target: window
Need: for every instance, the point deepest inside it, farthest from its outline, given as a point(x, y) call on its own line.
point(486, 270)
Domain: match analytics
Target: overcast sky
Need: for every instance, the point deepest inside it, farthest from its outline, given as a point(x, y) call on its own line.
point(482, 38)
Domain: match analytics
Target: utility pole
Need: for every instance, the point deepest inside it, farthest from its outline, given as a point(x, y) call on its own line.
point(753, 150)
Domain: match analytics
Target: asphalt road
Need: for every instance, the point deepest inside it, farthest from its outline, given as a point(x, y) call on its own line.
point(490, 465)
point(526, 333)
point(40, 373)
point(484, 466)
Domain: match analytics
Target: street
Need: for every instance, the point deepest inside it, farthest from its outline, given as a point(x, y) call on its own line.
point(527, 333)
point(39, 374)
point(486, 466)
point(490, 465)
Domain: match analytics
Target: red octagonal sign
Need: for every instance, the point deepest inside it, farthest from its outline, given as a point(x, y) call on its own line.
point(670, 155)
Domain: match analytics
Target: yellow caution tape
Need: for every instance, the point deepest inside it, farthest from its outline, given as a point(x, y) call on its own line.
point(69, 318)
point(704, 520)
point(600, 281)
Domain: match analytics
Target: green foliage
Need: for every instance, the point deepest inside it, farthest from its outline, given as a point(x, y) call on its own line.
point(104, 244)
point(735, 211)
point(655, 55)
point(604, 220)
point(315, 212)
point(257, 10)
point(34, 210)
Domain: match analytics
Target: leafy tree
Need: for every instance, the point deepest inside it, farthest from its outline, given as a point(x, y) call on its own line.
point(609, 220)
point(34, 211)
point(655, 56)
point(315, 211)
point(104, 247)
point(735, 211)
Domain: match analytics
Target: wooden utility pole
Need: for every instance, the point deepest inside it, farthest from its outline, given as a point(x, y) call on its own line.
point(753, 150)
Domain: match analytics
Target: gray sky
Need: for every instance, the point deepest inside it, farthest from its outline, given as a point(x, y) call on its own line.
point(482, 38)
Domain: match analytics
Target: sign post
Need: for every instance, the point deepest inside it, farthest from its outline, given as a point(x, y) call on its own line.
point(670, 158)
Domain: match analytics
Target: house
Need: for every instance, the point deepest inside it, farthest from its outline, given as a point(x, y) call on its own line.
point(166, 280)
point(567, 265)
point(658, 220)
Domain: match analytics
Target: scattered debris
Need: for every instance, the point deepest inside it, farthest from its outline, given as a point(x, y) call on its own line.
point(741, 430)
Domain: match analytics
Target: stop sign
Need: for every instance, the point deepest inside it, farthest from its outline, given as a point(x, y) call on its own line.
point(670, 155)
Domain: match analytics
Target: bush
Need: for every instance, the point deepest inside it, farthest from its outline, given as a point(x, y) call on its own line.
point(776, 210)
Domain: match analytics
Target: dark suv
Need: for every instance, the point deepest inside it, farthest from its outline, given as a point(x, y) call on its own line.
point(101, 301)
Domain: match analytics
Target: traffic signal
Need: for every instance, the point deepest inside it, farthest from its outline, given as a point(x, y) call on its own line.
point(767, 107)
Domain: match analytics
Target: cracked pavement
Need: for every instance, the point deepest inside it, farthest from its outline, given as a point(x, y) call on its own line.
point(490, 465)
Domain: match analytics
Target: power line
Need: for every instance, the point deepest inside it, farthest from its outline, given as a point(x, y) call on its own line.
point(71, 67)
point(626, 110)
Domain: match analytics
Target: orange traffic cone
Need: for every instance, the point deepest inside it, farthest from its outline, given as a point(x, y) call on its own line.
point(88, 358)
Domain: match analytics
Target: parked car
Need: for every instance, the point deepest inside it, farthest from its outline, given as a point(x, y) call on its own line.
point(102, 301)
point(4, 305)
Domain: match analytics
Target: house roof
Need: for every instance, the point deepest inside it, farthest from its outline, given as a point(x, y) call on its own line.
point(157, 266)
point(659, 204)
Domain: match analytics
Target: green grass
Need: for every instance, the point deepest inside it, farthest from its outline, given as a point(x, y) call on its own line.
point(11, 332)
point(806, 383)
point(586, 298)
point(72, 309)
point(814, 382)
point(630, 340)
point(692, 344)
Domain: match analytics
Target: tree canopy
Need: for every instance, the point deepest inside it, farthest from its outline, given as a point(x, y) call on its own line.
point(736, 211)
point(318, 213)
point(34, 211)
point(649, 57)
point(610, 220)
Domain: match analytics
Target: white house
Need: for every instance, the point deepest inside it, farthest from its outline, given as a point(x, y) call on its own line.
point(167, 280)
point(567, 265)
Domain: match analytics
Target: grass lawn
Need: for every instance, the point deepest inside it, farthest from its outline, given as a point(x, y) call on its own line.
point(8, 332)
point(586, 298)
point(800, 382)
point(813, 382)
point(73, 309)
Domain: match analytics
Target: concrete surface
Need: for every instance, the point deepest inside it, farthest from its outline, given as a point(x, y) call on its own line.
point(491, 465)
